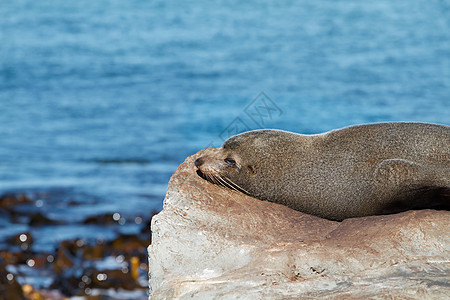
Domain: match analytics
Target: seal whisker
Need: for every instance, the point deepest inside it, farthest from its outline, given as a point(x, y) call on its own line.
point(216, 180)
point(227, 184)
point(213, 179)
point(208, 177)
point(230, 184)
point(222, 183)
point(235, 186)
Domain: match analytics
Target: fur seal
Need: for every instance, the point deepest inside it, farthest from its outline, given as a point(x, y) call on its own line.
point(356, 171)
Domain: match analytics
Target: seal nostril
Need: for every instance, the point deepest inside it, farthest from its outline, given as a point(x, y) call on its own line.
point(198, 162)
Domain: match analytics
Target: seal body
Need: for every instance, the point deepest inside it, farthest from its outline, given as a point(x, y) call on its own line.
point(351, 172)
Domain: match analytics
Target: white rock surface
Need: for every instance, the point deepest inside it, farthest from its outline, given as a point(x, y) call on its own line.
point(214, 243)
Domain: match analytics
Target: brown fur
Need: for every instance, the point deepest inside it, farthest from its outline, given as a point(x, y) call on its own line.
point(351, 172)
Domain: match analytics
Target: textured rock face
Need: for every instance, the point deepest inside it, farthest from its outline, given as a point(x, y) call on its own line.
point(214, 243)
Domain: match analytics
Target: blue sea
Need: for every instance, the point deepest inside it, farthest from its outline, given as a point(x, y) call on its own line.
point(102, 100)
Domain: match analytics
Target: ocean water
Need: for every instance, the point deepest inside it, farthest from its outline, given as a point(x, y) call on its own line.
point(100, 101)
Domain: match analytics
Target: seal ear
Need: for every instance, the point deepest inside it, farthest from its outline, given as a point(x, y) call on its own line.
point(251, 170)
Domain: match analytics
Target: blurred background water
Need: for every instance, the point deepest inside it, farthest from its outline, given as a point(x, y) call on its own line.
point(101, 100)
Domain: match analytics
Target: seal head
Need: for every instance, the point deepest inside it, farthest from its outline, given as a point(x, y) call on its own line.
point(243, 160)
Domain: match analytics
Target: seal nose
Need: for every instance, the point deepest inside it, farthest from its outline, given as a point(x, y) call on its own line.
point(198, 162)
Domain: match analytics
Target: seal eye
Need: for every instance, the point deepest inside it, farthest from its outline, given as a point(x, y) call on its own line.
point(231, 162)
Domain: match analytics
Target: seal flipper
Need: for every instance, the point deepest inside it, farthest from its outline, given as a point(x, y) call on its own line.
point(413, 186)
point(398, 171)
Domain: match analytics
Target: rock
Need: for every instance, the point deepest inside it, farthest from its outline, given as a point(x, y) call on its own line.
point(9, 287)
point(209, 242)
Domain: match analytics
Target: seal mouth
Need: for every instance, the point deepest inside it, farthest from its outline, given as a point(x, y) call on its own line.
point(220, 180)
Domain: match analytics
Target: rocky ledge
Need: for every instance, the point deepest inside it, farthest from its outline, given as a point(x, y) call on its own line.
point(214, 243)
